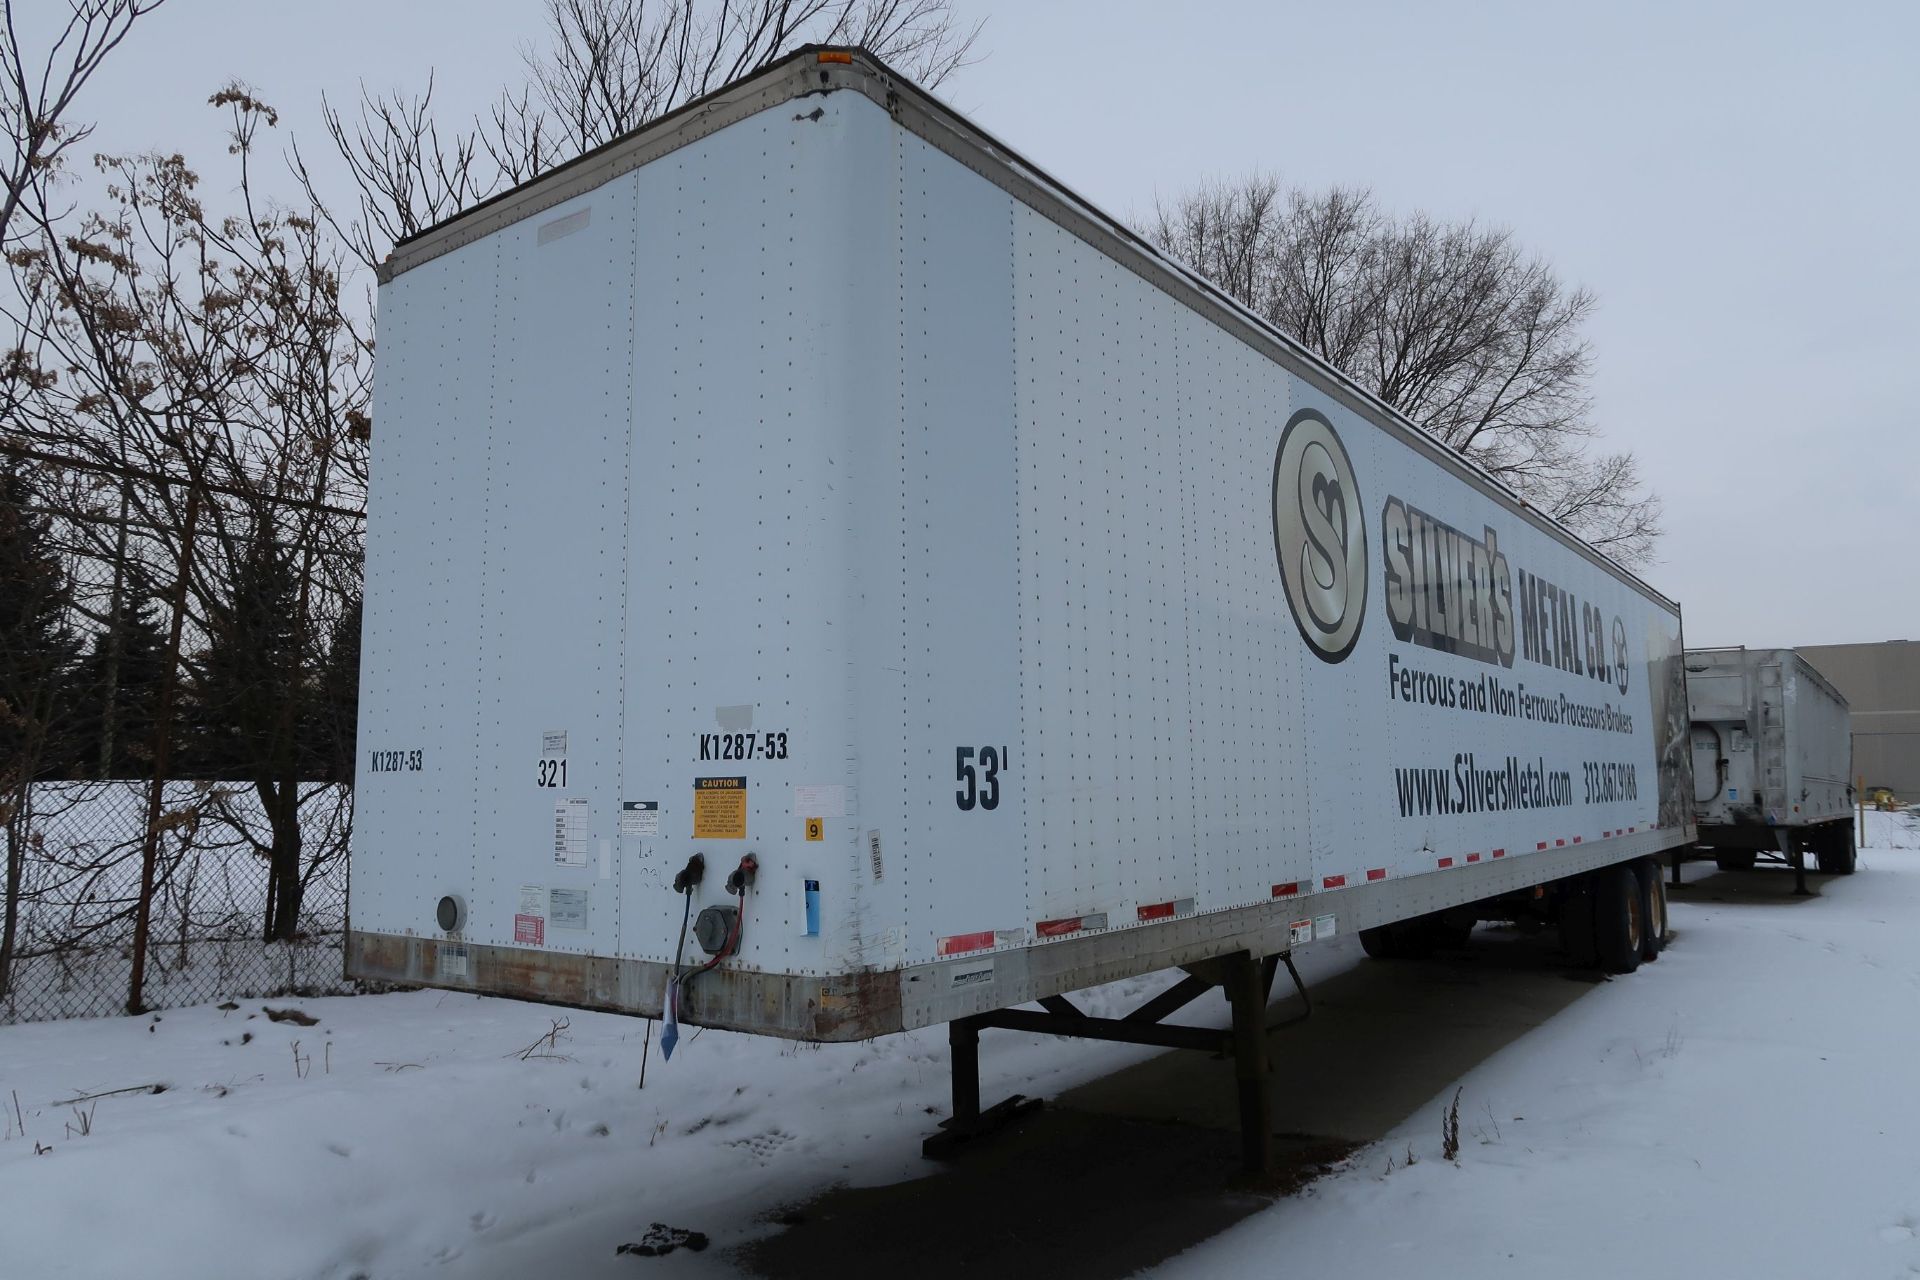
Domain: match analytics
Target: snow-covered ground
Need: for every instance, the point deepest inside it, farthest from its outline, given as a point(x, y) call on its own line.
point(1749, 1106)
point(1746, 1107)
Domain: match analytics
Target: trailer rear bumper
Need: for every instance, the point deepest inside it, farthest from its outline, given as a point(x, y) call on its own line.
point(863, 1004)
point(855, 1006)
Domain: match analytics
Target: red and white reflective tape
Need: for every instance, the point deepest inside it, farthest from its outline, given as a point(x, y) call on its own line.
point(1333, 882)
point(1376, 873)
point(1576, 839)
point(1445, 863)
point(961, 943)
point(1559, 844)
point(1069, 924)
point(1539, 845)
point(1473, 857)
point(1287, 890)
point(1499, 853)
point(1164, 910)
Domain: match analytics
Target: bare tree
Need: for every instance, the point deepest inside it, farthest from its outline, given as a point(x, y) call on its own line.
point(37, 99)
point(608, 67)
point(1475, 341)
point(208, 361)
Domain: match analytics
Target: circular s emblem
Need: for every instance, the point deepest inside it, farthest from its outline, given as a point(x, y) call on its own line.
point(1320, 535)
point(1620, 655)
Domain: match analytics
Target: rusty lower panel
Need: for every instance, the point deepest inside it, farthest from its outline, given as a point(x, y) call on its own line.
point(855, 1006)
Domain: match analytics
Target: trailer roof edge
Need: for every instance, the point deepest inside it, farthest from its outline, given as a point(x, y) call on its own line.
point(803, 73)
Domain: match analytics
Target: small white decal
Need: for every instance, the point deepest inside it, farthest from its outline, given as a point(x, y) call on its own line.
point(570, 831)
point(1323, 926)
point(1301, 932)
point(640, 818)
point(823, 800)
point(568, 908)
point(970, 975)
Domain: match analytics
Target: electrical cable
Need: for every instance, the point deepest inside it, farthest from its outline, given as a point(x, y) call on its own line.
point(685, 915)
point(738, 882)
point(732, 943)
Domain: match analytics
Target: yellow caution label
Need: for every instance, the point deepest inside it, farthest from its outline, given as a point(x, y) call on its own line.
point(719, 808)
point(816, 828)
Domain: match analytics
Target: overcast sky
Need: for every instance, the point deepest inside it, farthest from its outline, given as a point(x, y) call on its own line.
point(1737, 182)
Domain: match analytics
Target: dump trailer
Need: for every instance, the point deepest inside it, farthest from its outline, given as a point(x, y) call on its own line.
point(825, 578)
point(1772, 760)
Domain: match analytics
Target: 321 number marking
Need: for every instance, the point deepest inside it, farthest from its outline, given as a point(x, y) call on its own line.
point(553, 771)
point(981, 782)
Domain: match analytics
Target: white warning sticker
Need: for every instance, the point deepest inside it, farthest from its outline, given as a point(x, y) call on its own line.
point(640, 819)
point(452, 960)
point(554, 743)
point(571, 819)
point(1301, 931)
point(1323, 926)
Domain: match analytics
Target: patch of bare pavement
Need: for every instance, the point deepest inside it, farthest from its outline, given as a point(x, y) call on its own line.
point(1139, 1165)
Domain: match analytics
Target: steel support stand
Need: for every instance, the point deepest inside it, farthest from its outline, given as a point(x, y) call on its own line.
point(1676, 867)
point(1247, 981)
point(963, 1043)
point(1797, 856)
point(968, 1121)
point(1247, 991)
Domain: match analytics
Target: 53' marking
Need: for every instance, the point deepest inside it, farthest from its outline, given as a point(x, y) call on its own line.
point(982, 782)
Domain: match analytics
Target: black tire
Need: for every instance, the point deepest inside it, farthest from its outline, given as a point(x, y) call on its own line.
point(1407, 940)
point(1735, 860)
point(1834, 853)
point(1653, 908)
point(1448, 934)
point(1576, 923)
point(1619, 917)
point(1381, 943)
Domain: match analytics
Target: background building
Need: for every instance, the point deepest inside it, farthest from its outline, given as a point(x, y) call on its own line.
point(1882, 682)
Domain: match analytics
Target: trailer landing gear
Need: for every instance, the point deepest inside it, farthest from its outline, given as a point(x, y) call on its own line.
point(1247, 981)
point(1791, 845)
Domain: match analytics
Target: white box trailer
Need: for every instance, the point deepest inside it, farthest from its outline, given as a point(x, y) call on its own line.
point(1772, 759)
point(808, 483)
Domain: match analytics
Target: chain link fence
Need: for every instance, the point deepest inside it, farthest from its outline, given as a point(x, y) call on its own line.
point(81, 882)
point(178, 697)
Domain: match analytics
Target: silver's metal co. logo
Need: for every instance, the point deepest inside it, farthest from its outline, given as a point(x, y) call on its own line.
point(1320, 535)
